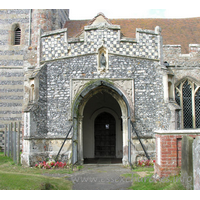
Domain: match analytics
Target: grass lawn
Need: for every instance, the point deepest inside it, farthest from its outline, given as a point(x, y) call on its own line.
point(15, 177)
point(142, 180)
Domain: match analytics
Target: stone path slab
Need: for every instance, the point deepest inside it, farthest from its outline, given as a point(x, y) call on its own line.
point(101, 177)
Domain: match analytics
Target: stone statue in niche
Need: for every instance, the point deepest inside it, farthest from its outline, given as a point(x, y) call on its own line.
point(102, 61)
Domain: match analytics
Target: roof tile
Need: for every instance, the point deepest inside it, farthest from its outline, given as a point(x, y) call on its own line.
point(182, 31)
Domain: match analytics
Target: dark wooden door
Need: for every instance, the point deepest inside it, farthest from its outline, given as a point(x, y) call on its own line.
point(105, 135)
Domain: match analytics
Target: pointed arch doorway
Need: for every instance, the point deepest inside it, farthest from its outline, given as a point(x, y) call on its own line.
point(99, 97)
point(102, 133)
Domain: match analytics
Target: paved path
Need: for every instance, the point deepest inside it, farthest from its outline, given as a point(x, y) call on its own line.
point(101, 177)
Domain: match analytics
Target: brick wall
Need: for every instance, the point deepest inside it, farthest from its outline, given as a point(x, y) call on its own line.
point(169, 161)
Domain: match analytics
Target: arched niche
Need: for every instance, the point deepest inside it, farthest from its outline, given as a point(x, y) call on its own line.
point(102, 59)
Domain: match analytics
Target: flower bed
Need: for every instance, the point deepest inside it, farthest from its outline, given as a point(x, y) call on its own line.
point(50, 165)
point(143, 163)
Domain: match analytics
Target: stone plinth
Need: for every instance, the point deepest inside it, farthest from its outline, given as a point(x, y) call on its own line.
point(187, 162)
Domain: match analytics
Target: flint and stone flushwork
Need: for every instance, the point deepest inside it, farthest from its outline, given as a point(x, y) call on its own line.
point(134, 61)
point(59, 82)
point(55, 45)
point(148, 93)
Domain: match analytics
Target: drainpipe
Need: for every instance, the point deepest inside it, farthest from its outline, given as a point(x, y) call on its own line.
point(30, 19)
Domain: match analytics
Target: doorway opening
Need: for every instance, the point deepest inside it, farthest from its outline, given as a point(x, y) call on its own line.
point(102, 129)
point(105, 136)
point(100, 97)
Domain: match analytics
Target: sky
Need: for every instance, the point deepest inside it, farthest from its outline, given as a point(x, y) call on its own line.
point(88, 9)
point(135, 9)
point(131, 13)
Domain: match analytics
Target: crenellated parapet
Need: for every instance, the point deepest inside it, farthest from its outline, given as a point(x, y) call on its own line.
point(56, 45)
point(173, 56)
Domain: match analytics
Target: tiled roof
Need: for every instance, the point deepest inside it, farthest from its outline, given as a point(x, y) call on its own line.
point(182, 31)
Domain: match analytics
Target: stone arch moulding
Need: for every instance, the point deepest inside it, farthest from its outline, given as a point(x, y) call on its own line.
point(189, 78)
point(80, 87)
point(108, 110)
point(77, 113)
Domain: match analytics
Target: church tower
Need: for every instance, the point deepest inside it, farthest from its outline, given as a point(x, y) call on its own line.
point(19, 29)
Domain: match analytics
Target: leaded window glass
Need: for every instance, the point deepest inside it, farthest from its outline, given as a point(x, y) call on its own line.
point(187, 96)
point(197, 108)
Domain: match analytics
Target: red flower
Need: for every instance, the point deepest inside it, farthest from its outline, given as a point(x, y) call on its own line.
point(147, 162)
point(47, 166)
point(154, 161)
point(139, 163)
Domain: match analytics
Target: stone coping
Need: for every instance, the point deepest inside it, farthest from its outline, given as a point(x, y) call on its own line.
point(151, 32)
point(125, 39)
point(172, 45)
point(178, 132)
point(102, 26)
point(46, 138)
point(54, 32)
point(144, 137)
point(88, 54)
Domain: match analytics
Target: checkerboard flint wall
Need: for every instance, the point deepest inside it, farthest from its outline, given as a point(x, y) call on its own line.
point(55, 45)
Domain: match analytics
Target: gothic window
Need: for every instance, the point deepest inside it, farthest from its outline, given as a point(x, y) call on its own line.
point(187, 96)
point(17, 36)
point(197, 108)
